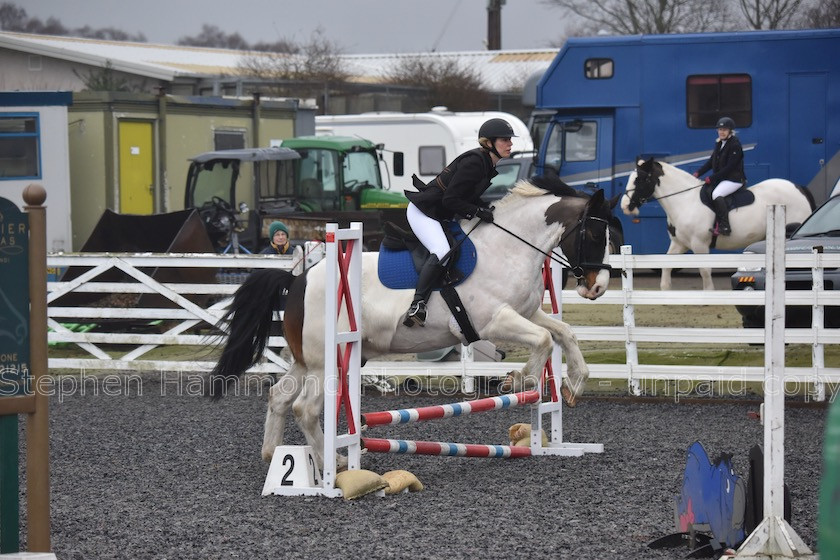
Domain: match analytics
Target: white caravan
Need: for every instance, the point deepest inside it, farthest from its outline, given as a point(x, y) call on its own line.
point(428, 141)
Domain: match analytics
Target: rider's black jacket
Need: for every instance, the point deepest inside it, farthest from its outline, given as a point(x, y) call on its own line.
point(726, 162)
point(458, 188)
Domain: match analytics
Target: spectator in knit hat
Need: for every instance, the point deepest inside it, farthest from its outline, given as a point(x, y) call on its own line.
point(278, 237)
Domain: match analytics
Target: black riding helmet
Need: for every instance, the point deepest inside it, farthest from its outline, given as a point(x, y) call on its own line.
point(726, 122)
point(496, 128)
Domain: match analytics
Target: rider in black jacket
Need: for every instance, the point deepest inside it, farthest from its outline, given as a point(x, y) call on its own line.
point(454, 193)
point(727, 166)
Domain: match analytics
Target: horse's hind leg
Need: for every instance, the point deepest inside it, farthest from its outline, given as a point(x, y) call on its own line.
point(576, 367)
point(280, 397)
point(307, 409)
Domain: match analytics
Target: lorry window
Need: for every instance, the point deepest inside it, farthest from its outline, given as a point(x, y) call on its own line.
point(432, 159)
point(19, 153)
point(598, 68)
point(581, 144)
point(709, 97)
point(576, 142)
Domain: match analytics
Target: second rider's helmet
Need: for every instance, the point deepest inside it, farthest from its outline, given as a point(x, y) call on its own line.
point(726, 122)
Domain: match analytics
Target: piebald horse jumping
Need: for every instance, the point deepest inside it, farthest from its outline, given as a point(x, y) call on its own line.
point(503, 297)
point(690, 221)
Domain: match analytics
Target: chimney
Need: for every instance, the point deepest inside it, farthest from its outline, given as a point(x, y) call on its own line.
point(494, 24)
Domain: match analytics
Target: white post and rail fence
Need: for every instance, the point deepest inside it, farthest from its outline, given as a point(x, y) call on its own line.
point(191, 309)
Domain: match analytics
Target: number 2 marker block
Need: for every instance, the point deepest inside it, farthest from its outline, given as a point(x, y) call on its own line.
point(292, 466)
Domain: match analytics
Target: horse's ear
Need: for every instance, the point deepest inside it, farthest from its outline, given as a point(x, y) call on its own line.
point(614, 200)
point(641, 162)
point(597, 198)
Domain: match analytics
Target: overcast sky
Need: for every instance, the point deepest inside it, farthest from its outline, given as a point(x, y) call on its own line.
point(356, 26)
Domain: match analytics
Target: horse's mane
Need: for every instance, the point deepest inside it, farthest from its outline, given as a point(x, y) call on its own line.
point(555, 186)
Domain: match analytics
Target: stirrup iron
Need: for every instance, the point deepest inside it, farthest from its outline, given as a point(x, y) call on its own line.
point(416, 314)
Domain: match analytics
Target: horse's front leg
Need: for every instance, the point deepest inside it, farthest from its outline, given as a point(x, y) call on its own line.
point(280, 397)
point(576, 368)
point(509, 325)
point(675, 248)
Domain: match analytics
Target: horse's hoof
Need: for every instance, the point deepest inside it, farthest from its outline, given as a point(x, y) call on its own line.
point(507, 384)
point(267, 455)
point(568, 396)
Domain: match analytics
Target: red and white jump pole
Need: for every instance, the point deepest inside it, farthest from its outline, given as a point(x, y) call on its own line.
point(408, 447)
point(409, 415)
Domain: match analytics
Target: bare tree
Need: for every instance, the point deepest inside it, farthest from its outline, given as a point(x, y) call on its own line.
point(631, 17)
point(447, 82)
point(317, 60)
point(103, 79)
point(312, 66)
point(212, 36)
point(822, 16)
point(769, 14)
point(280, 46)
point(12, 18)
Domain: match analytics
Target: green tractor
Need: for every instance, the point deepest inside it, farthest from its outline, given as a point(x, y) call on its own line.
point(305, 182)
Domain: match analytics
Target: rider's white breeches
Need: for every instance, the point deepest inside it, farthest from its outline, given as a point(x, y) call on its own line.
point(428, 231)
point(725, 188)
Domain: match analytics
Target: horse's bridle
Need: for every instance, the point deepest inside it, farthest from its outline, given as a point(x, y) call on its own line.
point(647, 182)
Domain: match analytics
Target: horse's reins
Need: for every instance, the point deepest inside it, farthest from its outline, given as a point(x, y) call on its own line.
point(577, 270)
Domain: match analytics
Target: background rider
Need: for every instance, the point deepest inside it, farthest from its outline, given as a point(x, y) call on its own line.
point(727, 166)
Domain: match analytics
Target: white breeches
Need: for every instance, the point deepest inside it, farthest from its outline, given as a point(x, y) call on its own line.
point(428, 231)
point(725, 188)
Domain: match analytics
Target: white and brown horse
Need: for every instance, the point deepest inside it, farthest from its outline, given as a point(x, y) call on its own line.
point(690, 221)
point(503, 297)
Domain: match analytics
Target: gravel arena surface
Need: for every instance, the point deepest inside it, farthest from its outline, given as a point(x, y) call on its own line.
point(160, 474)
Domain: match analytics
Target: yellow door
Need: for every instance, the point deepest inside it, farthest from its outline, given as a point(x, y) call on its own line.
point(136, 168)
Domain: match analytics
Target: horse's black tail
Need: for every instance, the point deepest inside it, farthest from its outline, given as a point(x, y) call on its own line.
point(809, 195)
point(250, 316)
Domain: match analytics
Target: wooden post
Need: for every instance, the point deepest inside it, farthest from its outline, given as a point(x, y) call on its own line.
point(37, 422)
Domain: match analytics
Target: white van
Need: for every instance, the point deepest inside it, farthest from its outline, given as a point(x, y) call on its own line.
point(428, 141)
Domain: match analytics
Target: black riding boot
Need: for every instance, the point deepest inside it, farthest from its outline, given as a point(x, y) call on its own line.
point(722, 213)
point(429, 275)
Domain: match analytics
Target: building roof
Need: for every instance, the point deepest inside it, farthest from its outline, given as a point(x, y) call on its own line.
point(500, 70)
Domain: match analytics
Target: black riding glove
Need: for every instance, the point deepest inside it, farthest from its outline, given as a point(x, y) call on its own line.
point(485, 214)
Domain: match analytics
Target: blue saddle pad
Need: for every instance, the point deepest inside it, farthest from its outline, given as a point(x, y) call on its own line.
point(396, 268)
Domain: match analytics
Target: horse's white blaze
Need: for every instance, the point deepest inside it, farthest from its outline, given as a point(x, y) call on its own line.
point(625, 202)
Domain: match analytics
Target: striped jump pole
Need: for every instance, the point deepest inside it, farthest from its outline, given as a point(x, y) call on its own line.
point(409, 415)
point(406, 447)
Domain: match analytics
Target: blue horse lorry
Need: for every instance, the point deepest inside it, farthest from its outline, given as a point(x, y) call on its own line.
point(604, 101)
